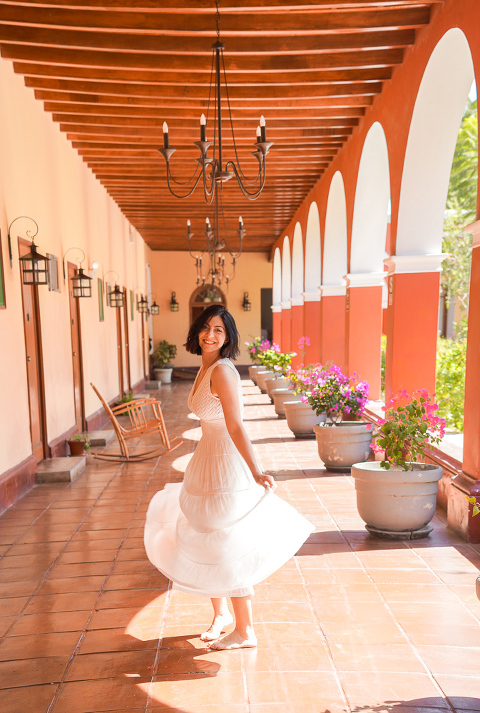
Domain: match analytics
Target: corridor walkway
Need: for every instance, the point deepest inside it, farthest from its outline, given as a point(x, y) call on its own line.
point(350, 624)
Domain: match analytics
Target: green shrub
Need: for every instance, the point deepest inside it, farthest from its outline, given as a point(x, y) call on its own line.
point(451, 361)
point(382, 366)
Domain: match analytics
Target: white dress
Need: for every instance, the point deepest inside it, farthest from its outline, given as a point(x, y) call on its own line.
point(218, 533)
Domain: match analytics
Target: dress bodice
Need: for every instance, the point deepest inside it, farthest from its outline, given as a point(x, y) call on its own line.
point(203, 403)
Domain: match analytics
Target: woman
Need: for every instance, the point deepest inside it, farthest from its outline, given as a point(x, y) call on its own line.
point(222, 530)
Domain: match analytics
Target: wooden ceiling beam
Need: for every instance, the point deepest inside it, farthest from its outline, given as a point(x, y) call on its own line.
point(176, 124)
point(188, 24)
point(228, 6)
point(144, 43)
point(242, 138)
point(246, 65)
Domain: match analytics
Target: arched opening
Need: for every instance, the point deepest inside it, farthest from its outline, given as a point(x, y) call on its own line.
point(297, 264)
point(335, 247)
point(203, 297)
point(313, 257)
point(277, 278)
point(286, 273)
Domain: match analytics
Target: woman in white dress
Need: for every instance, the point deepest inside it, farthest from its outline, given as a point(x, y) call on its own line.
point(222, 530)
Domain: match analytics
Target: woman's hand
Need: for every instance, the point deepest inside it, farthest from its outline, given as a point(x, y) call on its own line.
point(265, 480)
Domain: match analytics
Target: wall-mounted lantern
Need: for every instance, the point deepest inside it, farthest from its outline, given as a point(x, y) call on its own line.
point(142, 305)
point(34, 264)
point(117, 298)
point(81, 282)
point(246, 304)
point(174, 306)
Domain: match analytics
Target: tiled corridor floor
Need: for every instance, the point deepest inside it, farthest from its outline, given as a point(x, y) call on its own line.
point(350, 624)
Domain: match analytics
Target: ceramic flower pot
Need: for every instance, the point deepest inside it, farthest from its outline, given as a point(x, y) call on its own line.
point(343, 444)
point(396, 503)
point(77, 448)
point(252, 372)
point(301, 418)
point(275, 383)
point(280, 396)
point(163, 375)
point(261, 377)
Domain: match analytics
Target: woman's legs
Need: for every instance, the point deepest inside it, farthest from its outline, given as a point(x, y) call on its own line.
point(243, 636)
point(221, 619)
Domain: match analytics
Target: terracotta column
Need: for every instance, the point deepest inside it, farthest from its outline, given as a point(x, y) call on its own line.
point(297, 328)
point(332, 324)
point(277, 324)
point(363, 328)
point(311, 317)
point(459, 513)
point(286, 327)
point(412, 322)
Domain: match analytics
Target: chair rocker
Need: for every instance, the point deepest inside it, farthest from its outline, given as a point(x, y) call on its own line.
point(140, 425)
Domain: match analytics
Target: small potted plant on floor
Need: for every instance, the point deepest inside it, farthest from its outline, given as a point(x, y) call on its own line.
point(340, 442)
point(79, 444)
point(162, 356)
point(396, 497)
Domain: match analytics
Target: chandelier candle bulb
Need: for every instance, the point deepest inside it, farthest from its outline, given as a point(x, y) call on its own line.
point(258, 133)
point(263, 129)
point(203, 128)
point(240, 222)
point(165, 135)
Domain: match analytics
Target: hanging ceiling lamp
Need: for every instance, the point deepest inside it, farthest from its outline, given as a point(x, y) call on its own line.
point(216, 273)
point(212, 170)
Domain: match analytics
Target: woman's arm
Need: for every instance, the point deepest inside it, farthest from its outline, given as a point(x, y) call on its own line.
point(224, 385)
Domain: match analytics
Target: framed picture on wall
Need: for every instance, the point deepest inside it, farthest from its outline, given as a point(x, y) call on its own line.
point(2, 282)
point(100, 300)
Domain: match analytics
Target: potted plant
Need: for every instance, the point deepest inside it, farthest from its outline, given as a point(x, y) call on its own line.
point(255, 348)
point(267, 359)
point(79, 444)
point(281, 363)
point(396, 497)
point(340, 443)
point(475, 511)
point(301, 417)
point(161, 361)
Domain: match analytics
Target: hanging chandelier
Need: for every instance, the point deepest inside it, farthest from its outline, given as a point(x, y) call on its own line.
point(215, 273)
point(212, 169)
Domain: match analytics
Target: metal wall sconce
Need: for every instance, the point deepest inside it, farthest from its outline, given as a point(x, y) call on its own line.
point(81, 282)
point(154, 309)
point(174, 306)
point(142, 305)
point(246, 304)
point(117, 298)
point(34, 264)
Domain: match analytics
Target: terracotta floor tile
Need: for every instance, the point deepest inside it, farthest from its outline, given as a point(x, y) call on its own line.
point(116, 598)
point(438, 634)
point(17, 589)
point(32, 672)
point(362, 633)
point(196, 661)
point(462, 691)
point(452, 660)
point(13, 605)
point(27, 698)
point(348, 611)
point(376, 688)
point(80, 556)
point(375, 657)
point(5, 624)
point(223, 688)
point(62, 571)
point(71, 584)
point(61, 602)
point(114, 618)
point(133, 664)
point(100, 695)
point(37, 645)
point(148, 580)
point(105, 640)
point(45, 623)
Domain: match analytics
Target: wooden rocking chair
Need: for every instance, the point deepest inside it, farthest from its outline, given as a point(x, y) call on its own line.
point(140, 425)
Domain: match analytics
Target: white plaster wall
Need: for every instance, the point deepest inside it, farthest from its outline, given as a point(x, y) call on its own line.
point(277, 278)
point(286, 271)
point(372, 197)
point(297, 262)
point(313, 256)
point(43, 177)
point(335, 247)
point(436, 119)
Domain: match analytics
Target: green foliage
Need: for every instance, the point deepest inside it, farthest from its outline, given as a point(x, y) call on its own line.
point(276, 361)
point(163, 353)
point(450, 385)
point(383, 361)
point(128, 398)
point(475, 503)
point(461, 211)
point(83, 439)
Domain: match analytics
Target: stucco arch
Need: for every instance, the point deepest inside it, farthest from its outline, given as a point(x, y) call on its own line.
point(313, 253)
point(286, 271)
point(372, 197)
point(335, 248)
point(297, 263)
point(431, 143)
point(277, 278)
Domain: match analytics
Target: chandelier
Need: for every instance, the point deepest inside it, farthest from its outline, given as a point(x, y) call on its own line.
point(212, 169)
point(216, 273)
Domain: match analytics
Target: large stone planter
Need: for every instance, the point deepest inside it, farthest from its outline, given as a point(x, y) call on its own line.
point(252, 371)
point(396, 503)
point(343, 444)
point(261, 378)
point(276, 383)
point(280, 396)
point(301, 418)
point(163, 375)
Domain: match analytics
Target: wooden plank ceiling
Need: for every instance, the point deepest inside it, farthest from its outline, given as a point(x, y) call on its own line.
point(111, 71)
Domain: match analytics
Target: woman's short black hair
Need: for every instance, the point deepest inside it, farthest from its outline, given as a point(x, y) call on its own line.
point(231, 348)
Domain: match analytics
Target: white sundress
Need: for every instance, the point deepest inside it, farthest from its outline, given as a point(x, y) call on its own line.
point(218, 533)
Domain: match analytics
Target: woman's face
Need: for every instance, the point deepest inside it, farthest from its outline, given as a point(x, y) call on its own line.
point(212, 336)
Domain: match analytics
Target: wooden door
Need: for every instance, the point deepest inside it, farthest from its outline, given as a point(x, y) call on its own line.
point(126, 307)
point(120, 352)
point(33, 349)
point(77, 360)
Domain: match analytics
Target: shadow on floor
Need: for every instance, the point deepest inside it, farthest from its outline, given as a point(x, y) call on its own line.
point(427, 705)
